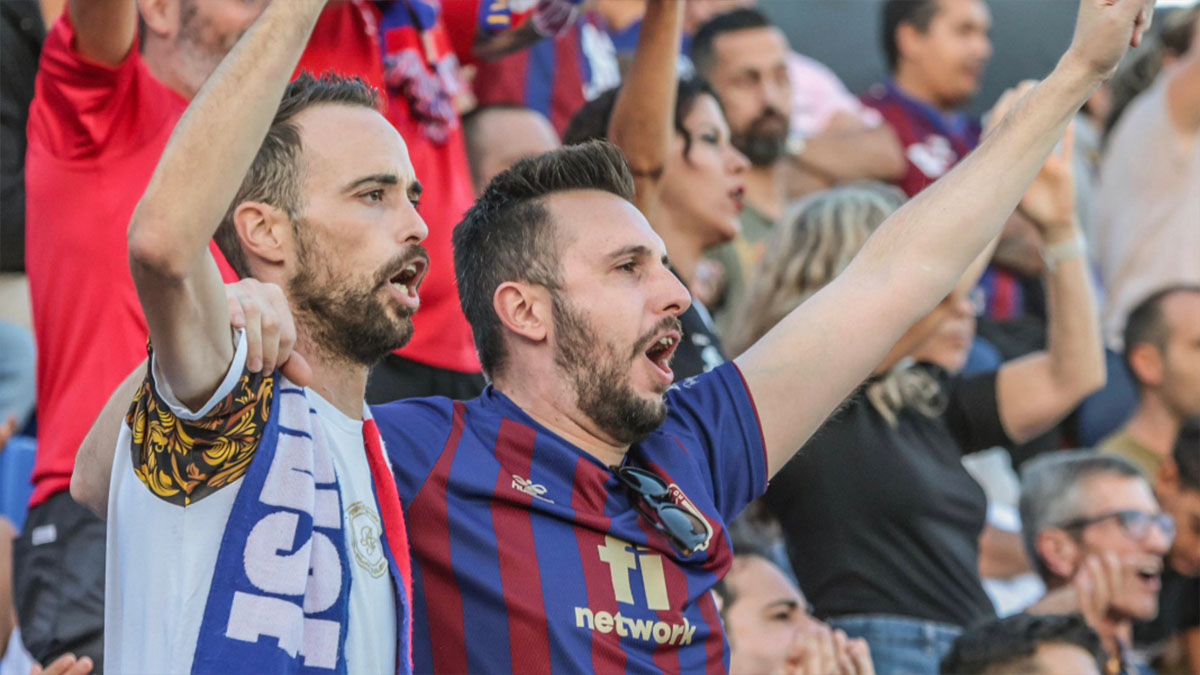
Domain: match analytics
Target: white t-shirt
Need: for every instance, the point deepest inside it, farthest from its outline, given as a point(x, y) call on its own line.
point(1147, 209)
point(161, 556)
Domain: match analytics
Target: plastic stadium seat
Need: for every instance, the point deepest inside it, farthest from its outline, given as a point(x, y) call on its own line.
point(16, 466)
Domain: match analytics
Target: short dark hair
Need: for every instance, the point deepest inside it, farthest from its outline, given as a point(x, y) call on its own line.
point(508, 234)
point(1008, 645)
point(917, 13)
point(1147, 325)
point(274, 175)
point(592, 120)
point(1187, 454)
point(703, 42)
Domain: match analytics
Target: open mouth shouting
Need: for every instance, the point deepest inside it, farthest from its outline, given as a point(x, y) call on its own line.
point(660, 352)
point(404, 283)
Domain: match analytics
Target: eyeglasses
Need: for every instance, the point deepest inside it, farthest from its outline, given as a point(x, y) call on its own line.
point(1135, 523)
point(681, 527)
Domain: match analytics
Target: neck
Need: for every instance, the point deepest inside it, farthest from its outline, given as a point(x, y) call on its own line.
point(542, 398)
point(1154, 426)
point(765, 189)
point(684, 245)
point(916, 88)
point(335, 379)
point(1113, 634)
point(156, 54)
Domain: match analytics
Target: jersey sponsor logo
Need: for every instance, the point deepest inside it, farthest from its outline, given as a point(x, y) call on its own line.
point(934, 157)
point(624, 560)
point(530, 488)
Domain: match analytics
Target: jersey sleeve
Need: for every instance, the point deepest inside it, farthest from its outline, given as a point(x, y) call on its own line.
point(82, 109)
point(415, 432)
point(973, 414)
point(183, 456)
point(719, 413)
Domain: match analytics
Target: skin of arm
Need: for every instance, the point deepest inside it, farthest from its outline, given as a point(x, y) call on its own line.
point(1183, 89)
point(198, 175)
point(1001, 554)
point(828, 345)
point(643, 117)
point(93, 463)
point(848, 155)
point(104, 29)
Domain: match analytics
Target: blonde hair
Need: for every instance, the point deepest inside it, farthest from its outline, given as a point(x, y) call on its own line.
point(814, 241)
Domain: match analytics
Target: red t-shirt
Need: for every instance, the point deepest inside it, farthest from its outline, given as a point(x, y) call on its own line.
point(95, 136)
point(346, 41)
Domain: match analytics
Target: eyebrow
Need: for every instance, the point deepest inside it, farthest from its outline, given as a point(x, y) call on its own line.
point(384, 179)
point(789, 604)
point(635, 250)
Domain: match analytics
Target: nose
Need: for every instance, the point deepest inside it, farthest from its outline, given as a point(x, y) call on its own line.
point(1157, 541)
point(736, 162)
point(412, 228)
point(674, 296)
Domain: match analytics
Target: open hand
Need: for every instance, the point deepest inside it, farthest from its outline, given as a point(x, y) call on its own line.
point(1050, 200)
point(1104, 30)
point(262, 311)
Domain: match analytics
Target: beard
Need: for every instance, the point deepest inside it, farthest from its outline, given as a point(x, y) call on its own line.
point(347, 317)
point(764, 140)
point(600, 377)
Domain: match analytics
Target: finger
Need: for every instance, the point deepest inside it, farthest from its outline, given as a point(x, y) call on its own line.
point(82, 666)
point(845, 665)
point(286, 323)
point(237, 318)
point(59, 666)
point(254, 350)
point(297, 370)
point(860, 652)
point(1068, 143)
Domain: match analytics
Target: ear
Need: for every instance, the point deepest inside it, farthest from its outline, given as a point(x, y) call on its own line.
point(1166, 481)
point(524, 309)
point(1059, 552)
point(1147, 364)
point(160, 16)
point(264, 231)
point(907, 41)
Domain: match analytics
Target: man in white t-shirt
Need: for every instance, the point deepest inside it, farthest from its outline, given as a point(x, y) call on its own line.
point(1148, 209)
point(252, 520)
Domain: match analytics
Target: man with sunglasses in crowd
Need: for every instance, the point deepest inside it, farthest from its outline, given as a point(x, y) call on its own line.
point(1097, 536)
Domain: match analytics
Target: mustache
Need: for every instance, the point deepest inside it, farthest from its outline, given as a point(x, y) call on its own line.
point(768, 114)
point(412, 253)
point(668, 323)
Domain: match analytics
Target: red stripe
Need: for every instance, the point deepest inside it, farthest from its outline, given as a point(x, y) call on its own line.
point(587, 498)
point(1003, 294)
point(392, 513)
point(443, 597)
point(567, 88)
point(666, 656)
point(528, 635)
point(714, 646)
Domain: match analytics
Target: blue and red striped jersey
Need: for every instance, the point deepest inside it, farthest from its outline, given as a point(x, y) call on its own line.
point(528, 554)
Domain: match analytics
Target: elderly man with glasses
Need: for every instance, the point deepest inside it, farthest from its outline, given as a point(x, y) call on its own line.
point(1097, 536)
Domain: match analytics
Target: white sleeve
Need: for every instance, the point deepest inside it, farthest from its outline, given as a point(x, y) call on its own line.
point(231, 379)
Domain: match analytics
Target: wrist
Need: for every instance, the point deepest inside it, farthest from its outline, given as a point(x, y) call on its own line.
point(1076, 76)
point(1054, 234)
point(1055, 253)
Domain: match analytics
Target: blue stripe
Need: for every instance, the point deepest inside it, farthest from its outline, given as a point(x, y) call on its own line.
point(539, 76)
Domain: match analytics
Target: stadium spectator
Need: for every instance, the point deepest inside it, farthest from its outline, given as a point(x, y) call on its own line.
point(909, 584)
point(1172, 640)
point(1148, 201)
point(498, 136)
point(744, 57)
point(1048, 644)
point(105, 103)
point(315, 194)
point(770, 629)
point(1162, 351)
point(1097, 537)
point(551, 57)
point(687, 174)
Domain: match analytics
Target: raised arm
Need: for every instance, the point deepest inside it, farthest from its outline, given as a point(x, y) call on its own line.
point(801, 370)
point(644, 112)
point(1183, 87)
point(196, 179)
point(104, 29)
point(1036, 391)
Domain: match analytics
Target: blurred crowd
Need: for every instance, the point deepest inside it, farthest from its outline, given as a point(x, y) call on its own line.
point(1015, 488)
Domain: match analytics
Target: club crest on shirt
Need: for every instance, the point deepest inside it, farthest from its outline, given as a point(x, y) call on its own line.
point(365, 534)
point(679, 499)
point(933, 157)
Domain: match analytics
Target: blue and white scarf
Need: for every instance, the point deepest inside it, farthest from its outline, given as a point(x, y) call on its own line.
point(279, 601)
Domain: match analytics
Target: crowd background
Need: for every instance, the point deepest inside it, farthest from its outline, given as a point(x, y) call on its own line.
point(1104, 354)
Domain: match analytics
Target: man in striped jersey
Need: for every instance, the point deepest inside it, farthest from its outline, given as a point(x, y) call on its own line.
point(573, 517)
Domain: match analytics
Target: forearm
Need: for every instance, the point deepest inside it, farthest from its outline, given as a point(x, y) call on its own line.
point(1073, 338)
point(1001, 554)
point(644, 113)
point(842, 156)
point(1019, 247)
point(93, 462)
point(104, 29)
point(1183, 93)
point(215, 142)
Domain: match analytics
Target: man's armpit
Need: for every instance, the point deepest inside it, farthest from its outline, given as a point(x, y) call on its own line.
point(183, 461)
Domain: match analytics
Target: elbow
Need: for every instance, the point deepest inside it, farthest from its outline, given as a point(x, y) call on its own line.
point(87, 495)
point(892, 162)
point(151, 254)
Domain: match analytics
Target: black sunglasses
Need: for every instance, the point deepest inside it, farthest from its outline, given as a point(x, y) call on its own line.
point(1135, 523)
point(681, 527)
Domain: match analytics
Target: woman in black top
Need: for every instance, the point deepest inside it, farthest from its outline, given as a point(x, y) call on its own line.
point(687, 174)
point(881, 519)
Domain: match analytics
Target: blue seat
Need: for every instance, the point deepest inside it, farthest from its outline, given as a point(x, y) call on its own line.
point(16, 467)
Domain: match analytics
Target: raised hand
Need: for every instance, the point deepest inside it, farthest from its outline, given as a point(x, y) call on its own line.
point(1104, 30)
point(1050, 200)
point(262, 310)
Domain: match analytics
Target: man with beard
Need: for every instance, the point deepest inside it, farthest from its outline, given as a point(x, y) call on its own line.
point(250, 520)
point(1097, 537)
point(745, 57)
point(107, 96)
point(572, 518)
